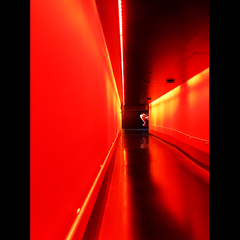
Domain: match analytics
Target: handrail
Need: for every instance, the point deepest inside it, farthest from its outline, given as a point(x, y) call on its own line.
point(172, 129)
point(80, 211)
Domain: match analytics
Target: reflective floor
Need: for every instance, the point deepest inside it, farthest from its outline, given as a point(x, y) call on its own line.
point(155, 192)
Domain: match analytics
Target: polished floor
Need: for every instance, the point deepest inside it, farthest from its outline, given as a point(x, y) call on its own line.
point(155, 192)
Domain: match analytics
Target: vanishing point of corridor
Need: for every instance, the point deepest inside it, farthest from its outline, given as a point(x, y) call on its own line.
point(155, 192)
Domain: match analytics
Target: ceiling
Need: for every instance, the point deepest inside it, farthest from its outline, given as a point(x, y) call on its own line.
point(161, 40)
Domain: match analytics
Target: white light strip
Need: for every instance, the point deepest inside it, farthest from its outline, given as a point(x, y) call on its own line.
point(121, 44)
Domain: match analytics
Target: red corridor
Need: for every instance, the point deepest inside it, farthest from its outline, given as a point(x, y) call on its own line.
point(119, 119)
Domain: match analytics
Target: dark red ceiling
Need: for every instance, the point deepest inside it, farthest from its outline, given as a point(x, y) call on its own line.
point(161, 40)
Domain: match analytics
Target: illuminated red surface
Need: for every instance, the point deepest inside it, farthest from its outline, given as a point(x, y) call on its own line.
point(75, 111)
point(156, 192)
point(109, 15)
point(186, 109)
point(75, 115)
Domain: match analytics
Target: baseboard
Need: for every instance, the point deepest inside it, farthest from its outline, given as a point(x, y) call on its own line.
point(94, 224)
point(80, 223)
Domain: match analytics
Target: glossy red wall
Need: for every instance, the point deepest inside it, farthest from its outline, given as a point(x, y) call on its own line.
point(75, 111)
point(181, 116)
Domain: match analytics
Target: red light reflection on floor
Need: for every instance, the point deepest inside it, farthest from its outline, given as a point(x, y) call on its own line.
point(155, 193)
point(183, 186)
point(117, 219)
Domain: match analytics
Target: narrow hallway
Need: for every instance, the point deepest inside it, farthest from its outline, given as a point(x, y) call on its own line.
point(156, 192)
point(108, 80)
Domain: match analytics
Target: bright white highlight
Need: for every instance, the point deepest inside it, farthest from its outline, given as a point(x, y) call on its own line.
point(121, 44)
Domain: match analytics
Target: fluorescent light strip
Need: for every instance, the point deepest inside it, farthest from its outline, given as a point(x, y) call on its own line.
point(121, 44)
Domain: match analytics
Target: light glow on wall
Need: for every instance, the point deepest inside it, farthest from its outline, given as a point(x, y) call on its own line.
point(121, 44)
point(65, 35)
point(181, 116)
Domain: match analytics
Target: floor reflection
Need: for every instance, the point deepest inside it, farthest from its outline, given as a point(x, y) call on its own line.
point(155, 193)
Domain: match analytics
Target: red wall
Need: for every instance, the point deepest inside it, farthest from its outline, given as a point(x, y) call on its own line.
point(109, 16)
point(184, 110)
point(75, 111)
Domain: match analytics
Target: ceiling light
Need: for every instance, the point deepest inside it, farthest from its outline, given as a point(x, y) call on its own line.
point(121, 44)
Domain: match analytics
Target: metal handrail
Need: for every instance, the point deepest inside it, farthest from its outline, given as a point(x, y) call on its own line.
point(172, 129)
